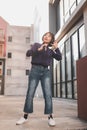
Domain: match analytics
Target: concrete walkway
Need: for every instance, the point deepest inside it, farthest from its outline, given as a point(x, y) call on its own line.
point(65, 113)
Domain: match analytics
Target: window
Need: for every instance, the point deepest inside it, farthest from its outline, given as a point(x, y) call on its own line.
point(0, 63)
point(66, 6)
point(78, 1)
point(9, 55)
point(63, 90)
point(68, 60)
point(59, 90)
point(1, 50)
point(72, 6)
point(60, 11)
point(27, 39)
point(9, 38)
point(63, 62)
point(27, 72)
point(64, 72)
point(58, 72)
point(82, 41)
point(75, 55)
point(72, 2)
point(66, 9)
point(69, 7)
point(54, 71)
point(69, 90)
point(9, 72)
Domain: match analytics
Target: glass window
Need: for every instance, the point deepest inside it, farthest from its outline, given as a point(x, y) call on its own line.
point(72, 5)
point(55, 90)
point(75, 89)
point(69, 90)
point(9, 38)
point(63, 90)
point(61, 14)
point(27, 39)
point(66, 6)
point(82, 41)
point(27, 72)
point(54, 71)
point(66, 9)
point(58, 71)
point(58, 90)
point(69, 7)
point(63, 62)
point(68, 60)
point(0, 63)
point(9, 72)
point(78, 1)
point(67, 16)
point(9, 55)
point(75, 55)
point(72, 2)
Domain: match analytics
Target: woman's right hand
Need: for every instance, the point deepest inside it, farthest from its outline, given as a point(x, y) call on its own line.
point(42, 47)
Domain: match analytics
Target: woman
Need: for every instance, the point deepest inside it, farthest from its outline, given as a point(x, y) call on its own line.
point(42, 55)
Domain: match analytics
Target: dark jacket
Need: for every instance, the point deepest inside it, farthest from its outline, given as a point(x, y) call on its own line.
point(43, 57)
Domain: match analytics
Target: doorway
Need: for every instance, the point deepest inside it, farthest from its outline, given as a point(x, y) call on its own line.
point(2, 74)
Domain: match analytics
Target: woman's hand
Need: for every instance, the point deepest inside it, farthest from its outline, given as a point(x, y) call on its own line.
point(42, 47)
point(55, 45)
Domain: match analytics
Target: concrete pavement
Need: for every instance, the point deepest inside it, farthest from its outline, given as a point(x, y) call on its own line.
point(65, 113)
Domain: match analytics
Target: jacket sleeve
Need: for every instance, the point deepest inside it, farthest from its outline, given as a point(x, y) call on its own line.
point(57, 54)
point(33, 50)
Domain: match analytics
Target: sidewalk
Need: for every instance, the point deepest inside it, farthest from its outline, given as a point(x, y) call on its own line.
point(65, 113)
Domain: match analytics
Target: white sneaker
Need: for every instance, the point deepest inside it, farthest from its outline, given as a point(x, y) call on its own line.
point(51, 122)
point(21, 121)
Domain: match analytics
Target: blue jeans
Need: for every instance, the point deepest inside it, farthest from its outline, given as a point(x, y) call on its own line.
point(39, 73)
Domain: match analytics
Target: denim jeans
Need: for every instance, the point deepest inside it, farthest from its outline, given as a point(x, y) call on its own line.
point(39, 73)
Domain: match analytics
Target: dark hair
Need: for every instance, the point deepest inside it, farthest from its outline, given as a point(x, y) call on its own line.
point(52, 36)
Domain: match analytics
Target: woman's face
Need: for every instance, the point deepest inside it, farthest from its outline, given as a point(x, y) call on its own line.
point(47, 38)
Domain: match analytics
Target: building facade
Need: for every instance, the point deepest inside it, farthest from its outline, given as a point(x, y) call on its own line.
point(69, 23)
point(14, 65)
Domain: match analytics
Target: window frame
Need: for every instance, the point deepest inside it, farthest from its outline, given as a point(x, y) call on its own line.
point(9, 55)
point(27, 40)
point(9, 72)
point(9, 38)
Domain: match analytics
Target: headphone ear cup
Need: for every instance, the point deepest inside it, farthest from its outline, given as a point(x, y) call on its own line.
point(52, 41)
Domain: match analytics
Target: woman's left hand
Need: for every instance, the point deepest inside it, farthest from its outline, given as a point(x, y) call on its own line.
point(55, 45)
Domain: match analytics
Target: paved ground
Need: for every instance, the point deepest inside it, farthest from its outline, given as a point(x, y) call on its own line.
point(65, 112)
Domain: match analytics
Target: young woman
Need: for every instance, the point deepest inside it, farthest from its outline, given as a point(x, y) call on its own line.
point(42, 55)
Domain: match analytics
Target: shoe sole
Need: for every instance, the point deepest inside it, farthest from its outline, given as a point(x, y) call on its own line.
point(21, 123)
point(52, 125)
